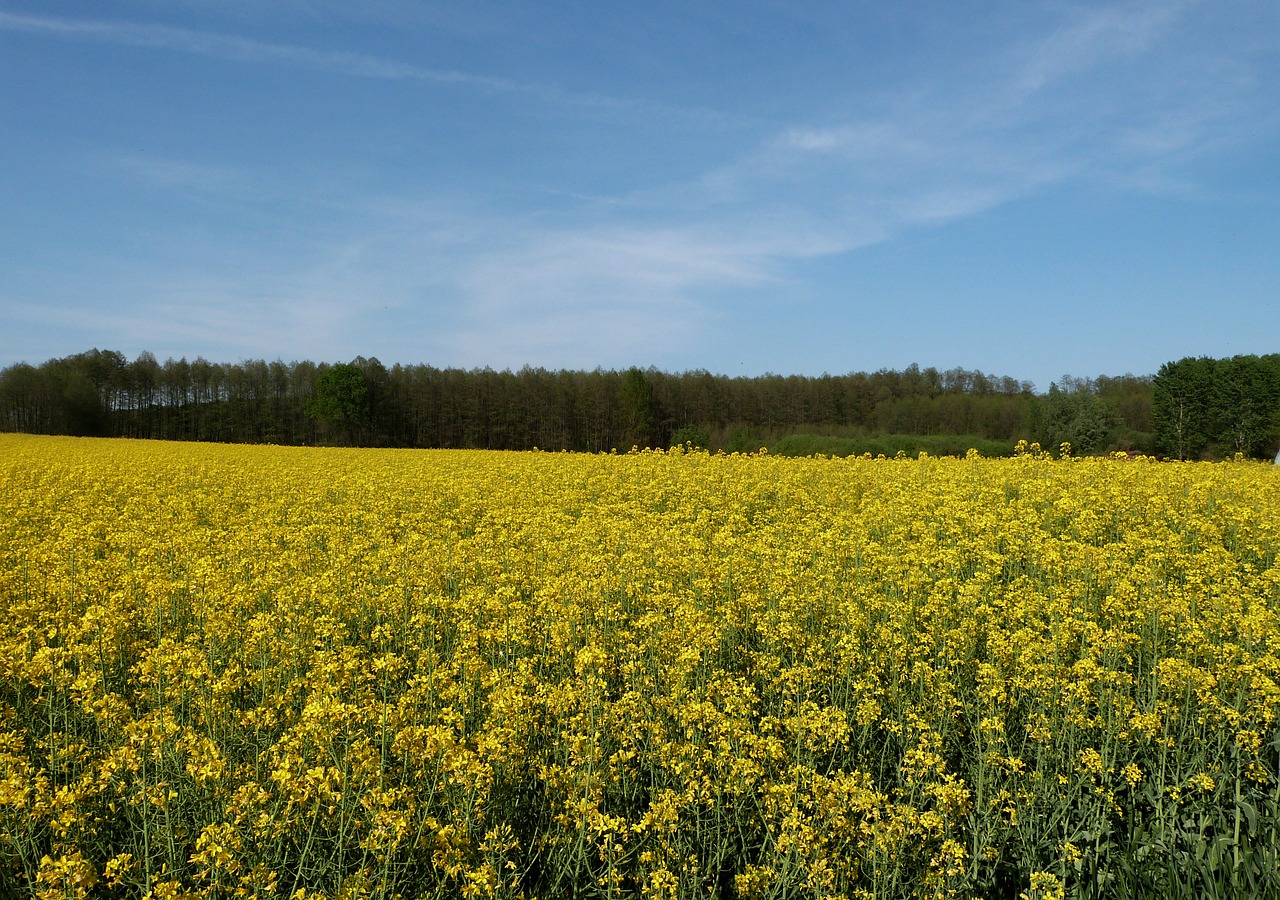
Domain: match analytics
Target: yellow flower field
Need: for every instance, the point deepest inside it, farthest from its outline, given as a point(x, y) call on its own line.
point(236, 671)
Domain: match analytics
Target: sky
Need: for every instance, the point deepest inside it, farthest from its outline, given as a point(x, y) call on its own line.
point(1030, 188)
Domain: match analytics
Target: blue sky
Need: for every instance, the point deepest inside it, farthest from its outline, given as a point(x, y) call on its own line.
point(1026, 188)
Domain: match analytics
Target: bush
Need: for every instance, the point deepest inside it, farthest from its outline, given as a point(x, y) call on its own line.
point(888, 445)
point(696, 436)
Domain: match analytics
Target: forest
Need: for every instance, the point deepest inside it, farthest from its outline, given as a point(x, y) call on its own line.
point(1194, 408)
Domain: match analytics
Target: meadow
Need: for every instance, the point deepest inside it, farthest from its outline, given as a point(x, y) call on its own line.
point(235, 671)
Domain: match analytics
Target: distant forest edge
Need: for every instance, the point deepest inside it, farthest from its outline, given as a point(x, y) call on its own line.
point(1192, 409)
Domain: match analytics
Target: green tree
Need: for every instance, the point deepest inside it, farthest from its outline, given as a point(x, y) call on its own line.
point(27, 400)
point(1076, 416)
point(341, 400)
point(637, 408)
point(1180, 407)
point(1244, 404)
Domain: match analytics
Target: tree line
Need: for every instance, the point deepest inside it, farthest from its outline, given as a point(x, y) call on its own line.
point(362, 402)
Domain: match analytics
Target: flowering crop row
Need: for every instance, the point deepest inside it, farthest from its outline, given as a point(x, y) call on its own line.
point(297, 673)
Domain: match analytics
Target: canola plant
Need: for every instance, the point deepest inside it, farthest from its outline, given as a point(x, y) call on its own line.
point(295, 673)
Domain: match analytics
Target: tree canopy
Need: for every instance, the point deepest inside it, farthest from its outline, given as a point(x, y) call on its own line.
point(341, 400)
point(1217, 407)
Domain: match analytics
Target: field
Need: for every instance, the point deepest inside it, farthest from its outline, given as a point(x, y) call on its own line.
point(296, 673)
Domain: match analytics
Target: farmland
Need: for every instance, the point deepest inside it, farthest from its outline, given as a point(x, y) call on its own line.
point(296, 673)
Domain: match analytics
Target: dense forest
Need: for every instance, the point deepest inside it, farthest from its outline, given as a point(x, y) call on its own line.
point(1192, 409)
point(1204, 407)
point(363, 402)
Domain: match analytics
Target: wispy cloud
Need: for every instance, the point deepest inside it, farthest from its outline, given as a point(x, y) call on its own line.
point(576, 293)
point(232, 47)
point(289, 312)
point(168, 174)
point(1096, 98)
point(359, 65)
point(1094, 37)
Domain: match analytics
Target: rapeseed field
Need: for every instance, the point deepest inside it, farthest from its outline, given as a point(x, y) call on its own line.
point(290, 673)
